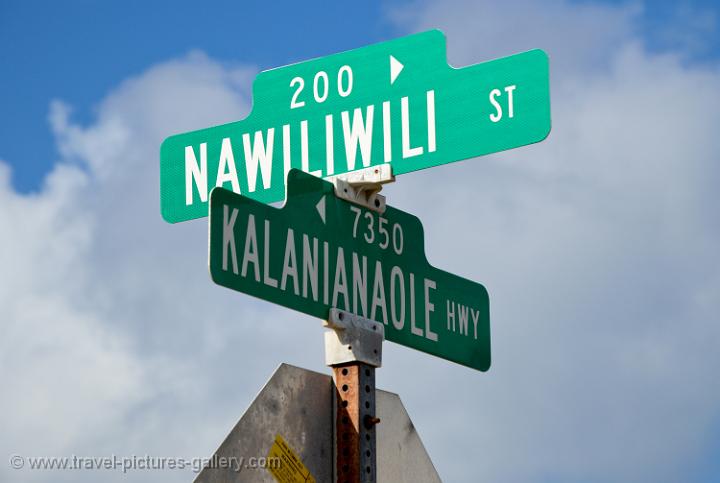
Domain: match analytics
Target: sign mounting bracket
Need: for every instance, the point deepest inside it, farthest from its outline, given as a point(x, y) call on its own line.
point(363, 186)
point(353, 339)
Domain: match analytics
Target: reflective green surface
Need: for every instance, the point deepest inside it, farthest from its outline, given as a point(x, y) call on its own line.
point(319, 251)
point(396, 102)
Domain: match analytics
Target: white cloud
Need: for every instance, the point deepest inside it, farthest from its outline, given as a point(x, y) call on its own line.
point(598, 246)
point(114, 338)
point(579, 35)
point(599, 249)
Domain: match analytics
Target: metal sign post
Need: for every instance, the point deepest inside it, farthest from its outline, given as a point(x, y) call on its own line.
point(354, 349)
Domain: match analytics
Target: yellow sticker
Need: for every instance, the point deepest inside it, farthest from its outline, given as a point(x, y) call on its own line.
point(291, 469)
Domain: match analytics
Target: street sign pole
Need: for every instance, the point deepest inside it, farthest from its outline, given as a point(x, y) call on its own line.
point(355, 441)
point(353, 349)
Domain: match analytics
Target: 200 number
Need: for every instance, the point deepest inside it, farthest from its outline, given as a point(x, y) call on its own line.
point(321, 86)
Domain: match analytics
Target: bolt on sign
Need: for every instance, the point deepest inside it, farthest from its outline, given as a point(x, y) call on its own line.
point(396, 102)
point(320, 252)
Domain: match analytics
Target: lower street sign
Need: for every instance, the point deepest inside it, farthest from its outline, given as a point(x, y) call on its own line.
point(320, 252)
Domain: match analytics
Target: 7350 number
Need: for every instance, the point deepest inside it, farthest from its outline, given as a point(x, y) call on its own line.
point(377, 232)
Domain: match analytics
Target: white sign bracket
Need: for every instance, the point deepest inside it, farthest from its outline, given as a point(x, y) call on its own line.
point(363, 186)
point(352, 339)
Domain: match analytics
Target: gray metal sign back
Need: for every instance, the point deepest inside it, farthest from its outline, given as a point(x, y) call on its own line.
point(297, 404)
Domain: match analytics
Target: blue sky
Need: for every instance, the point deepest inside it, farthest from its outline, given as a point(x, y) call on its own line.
point(78, 50)
point(598, 246)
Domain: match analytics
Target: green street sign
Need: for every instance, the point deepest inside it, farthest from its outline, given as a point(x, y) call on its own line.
point(396, 102)
point(320, 252)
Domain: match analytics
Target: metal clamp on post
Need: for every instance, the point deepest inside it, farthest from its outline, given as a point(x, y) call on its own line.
point(353, 339)
point(363, 186)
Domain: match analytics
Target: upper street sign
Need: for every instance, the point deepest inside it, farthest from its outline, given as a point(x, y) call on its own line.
point(320, 252)
point(396, 102)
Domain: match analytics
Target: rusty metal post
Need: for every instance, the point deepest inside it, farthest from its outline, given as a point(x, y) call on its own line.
point(355, 421)
point(354, 349)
